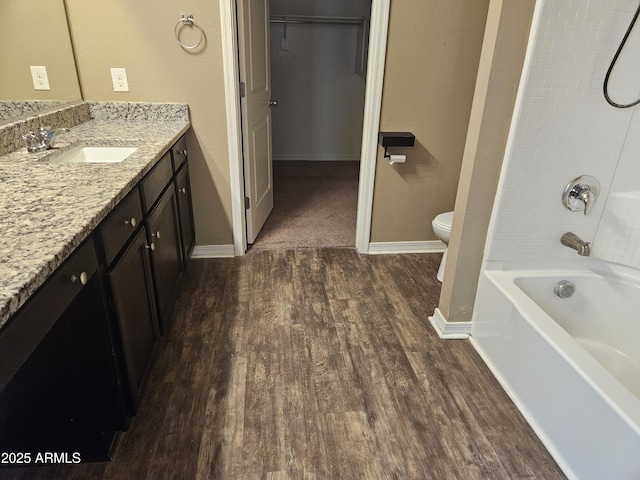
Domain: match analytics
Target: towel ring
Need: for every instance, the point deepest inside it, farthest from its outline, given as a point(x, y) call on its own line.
point(188, 20)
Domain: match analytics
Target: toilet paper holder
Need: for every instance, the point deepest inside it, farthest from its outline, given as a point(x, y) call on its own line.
point(395, 139)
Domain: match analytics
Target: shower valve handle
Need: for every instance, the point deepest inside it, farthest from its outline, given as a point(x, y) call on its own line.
point(581, 193)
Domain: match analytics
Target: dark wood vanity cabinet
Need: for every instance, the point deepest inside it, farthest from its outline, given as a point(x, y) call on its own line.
point(75, 358)
point(144, 277)
point(60, 380)
point(131, 291)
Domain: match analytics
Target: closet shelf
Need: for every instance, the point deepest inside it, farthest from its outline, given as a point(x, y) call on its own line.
point(314, 19)
point(358, 44)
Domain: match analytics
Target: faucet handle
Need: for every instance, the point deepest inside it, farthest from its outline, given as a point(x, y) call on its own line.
point(33, 142)
point(587, 197)
point(29, 136)
point(581, 193)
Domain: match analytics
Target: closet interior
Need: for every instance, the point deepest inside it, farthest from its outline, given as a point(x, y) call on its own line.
point(318, 64)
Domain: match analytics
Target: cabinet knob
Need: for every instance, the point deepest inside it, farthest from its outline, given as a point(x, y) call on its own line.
point(133, 222)
point(151, 247)
point(156, 235)
point(183, 190)
point(83, 278)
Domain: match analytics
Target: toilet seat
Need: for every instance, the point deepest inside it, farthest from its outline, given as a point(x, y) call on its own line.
point(442, 226)
point(444, 220)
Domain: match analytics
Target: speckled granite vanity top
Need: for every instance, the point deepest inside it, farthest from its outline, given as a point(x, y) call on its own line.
point(49, 209)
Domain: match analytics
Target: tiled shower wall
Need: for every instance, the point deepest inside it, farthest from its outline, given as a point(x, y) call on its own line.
point(618, 237)
point(564, 128)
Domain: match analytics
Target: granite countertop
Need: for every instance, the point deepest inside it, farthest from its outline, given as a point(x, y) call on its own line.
point(48, 209)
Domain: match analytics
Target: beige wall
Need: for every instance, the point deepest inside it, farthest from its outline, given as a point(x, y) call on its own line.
point(432, 57)
point(138, 35)
point(34, 32)
point(501, 63)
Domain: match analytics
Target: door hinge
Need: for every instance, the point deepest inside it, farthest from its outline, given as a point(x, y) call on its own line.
point(243, 90)
point(247, 203)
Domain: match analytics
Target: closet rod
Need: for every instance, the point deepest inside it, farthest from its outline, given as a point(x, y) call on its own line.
point(317, 19)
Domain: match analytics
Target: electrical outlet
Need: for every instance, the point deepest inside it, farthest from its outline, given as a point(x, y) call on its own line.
point(39, 77)
point(119, 78)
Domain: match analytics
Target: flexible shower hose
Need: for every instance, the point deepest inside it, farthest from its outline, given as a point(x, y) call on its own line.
point(613, 62)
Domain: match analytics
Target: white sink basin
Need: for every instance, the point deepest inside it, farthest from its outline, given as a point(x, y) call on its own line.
point(98, 154)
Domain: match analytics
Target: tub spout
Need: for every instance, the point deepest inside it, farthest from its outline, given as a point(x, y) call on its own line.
point(571, 240)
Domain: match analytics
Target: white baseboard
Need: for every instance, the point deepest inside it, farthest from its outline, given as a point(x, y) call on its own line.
point(428, 246)
point(213, 251)
point(449, 330)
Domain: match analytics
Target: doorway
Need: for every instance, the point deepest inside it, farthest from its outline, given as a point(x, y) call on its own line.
point(318, 73)
point(368, 151)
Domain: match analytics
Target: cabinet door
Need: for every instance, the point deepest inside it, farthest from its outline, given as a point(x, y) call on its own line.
point(134, 305)
point(185, 209)
point(166, 255)
point(66, 395)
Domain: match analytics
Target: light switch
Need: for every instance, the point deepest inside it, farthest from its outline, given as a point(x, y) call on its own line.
point(119, 78)
point(40, 78)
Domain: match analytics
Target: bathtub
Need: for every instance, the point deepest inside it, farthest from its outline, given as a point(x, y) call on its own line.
point(571, 365)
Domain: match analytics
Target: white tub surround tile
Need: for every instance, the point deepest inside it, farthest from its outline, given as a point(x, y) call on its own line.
point(564, 128)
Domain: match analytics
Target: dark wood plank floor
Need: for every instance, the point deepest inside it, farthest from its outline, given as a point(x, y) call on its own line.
point(316, 364)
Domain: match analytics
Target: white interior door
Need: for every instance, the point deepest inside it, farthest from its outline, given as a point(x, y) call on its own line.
point(253, 46)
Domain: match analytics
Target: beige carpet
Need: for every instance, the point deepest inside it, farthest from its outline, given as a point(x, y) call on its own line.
point(314, 206)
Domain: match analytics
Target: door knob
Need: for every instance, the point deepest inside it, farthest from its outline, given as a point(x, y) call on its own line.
point(273, 103)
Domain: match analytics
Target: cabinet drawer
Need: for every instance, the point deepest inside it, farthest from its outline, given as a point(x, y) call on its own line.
point(179, 153)
point(118, 227)
point(156, 180)
point(30, 324)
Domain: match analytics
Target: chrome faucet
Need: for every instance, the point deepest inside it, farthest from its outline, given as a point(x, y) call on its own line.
point(581, 193)
point(571, 240)
point(43, 140)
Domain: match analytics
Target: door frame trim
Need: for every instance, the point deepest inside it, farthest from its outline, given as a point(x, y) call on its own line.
point(370, 125)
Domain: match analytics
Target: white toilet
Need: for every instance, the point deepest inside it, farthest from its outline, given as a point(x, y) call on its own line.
point(442, 228)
